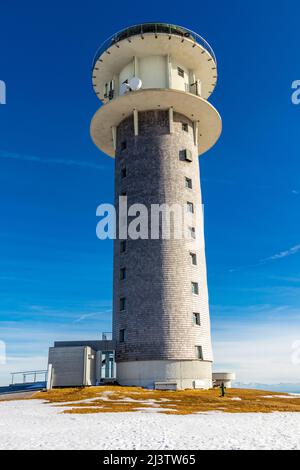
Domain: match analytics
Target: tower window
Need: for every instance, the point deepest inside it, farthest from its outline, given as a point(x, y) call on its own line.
point(188, 183)
point(122, 274)
point(196, 319)
point(180, 72)
point(192, 233)
point(195, 288)
point(193, 258)
point(199, 353)
point(123, 145)
point(123, 246)
point(123, 172)
point(122, 336)
point(186, 155)
point(122, 304)
point(190, 207)
point(185, 126)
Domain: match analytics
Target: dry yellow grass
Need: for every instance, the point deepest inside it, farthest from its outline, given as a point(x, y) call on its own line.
point(124, 399)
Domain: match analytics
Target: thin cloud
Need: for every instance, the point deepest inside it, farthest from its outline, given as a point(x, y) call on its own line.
point(283, 254)
point(90, 315)
point(53, 161)
point(296, 192)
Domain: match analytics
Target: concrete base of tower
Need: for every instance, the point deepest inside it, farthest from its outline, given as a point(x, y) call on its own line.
point(186, 374)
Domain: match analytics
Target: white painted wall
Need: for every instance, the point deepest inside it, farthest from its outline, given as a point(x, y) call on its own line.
point(184, 373)
point(178, 82)
point(153, 71)
point(126, 73)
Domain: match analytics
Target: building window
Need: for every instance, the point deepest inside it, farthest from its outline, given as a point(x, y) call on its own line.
point(185, 126)
point(193, 258)
point(199, 353)
point(122, 336)
point(123, 246)
point(191, 233)
point(190, 207)
point(123, 172)
point(123, 145)
point(195, 288)
point(188, 183)
point(180, 72)
point(196, 319)
point(186, 155)
point(122, 304)
point(122, 274)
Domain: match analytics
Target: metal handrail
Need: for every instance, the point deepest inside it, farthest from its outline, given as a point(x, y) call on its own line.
point(24, 374)
point(154, 28)
point(106, 336)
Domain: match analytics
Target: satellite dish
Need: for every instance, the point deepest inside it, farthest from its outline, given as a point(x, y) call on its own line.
point(135, 83)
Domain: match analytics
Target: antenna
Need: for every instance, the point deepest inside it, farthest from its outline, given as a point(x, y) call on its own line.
point(135, 83)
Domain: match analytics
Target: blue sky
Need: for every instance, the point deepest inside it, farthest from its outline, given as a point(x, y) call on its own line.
point(55, 275)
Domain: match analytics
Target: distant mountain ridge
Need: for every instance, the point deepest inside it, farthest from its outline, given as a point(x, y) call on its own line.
point(281, 387)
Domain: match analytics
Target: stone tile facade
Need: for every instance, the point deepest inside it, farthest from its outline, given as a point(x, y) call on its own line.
point(158, 316)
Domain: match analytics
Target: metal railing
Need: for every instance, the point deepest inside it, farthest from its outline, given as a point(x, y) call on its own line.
point(154, 28)
point(35, 375)
point(107, 336)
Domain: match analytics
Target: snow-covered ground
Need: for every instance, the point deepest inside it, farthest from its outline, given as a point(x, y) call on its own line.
point(32, 424)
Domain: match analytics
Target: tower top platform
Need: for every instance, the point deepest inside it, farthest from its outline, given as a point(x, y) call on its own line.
point(155, 66)
point(148, 39)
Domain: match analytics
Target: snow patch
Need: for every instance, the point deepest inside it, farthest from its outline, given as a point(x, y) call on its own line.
point(33, 424)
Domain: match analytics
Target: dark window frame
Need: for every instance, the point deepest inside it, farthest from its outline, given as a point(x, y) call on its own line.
point(199, 352)
point(195, 288)
point(193, 258)
point(180, 71)
point(188, 183)
point(122, 274)
point(190, 205)
point(122, 332)
point(122, 304)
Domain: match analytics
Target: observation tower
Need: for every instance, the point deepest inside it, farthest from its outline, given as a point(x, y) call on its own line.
point(154, 81)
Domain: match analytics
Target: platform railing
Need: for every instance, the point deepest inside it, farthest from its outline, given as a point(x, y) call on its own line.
point(35, 375)
point(107, 336)
point(154, 28)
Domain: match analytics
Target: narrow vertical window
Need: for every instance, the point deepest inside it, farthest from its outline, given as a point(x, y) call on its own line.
point(190, 207)
point(122, 336)
point(193, 258)
point(188, 183)
point(123, 145)
point(122, 274)
point(199, 353)
point(196, 318)
point(195, 288)
point(185, 126)
point(192, 233)
point(123, 172)
point(122, 304)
